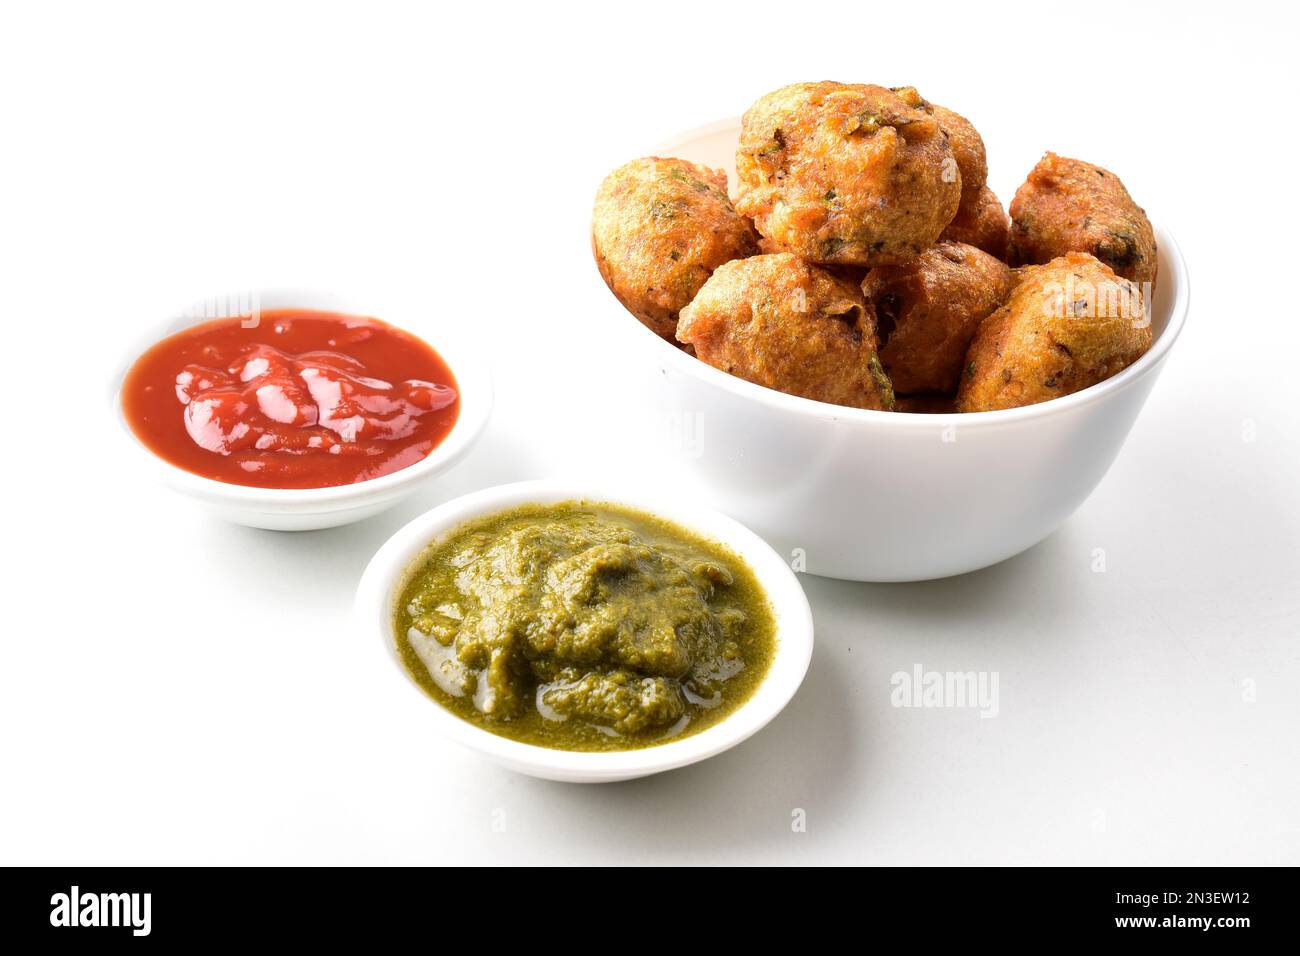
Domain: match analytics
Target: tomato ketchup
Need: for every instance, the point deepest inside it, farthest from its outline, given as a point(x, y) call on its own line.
point(301, 399)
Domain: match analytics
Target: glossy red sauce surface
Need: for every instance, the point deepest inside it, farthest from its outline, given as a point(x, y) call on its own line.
point(302, 400)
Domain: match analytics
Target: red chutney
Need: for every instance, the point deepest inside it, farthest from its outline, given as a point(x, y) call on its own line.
point(303, 400)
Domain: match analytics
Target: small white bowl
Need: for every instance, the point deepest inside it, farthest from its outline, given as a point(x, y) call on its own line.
point(889, 496)
point(383, 578)
point(304, 509)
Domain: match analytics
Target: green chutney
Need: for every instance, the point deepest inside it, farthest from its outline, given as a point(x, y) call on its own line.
point(584, 626)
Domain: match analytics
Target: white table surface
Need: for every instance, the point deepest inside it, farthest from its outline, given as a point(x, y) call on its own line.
point(178, 690)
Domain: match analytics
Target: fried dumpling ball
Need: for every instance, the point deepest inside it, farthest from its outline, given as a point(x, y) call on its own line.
point(845, 174)
point(968, 149)
point(984, 224)
point(927, 310)
point(964, 139)
point(1068, 324)
point(659, 229)
point(1067, 205)
point(781, 322)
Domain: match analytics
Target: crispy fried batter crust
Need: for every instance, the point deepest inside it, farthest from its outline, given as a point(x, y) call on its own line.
point(778, 321)
point(846, 174)
point(927, 310)
point(659, 229)
point(965, 140)
point(1068, 324)
point(1067, 205)
point(984, 225)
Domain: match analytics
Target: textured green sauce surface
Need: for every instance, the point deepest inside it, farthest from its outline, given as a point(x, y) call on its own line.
point(584, 626)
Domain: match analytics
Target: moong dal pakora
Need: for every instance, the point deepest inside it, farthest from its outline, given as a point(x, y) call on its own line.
point(984, 224)
point(659, 229)
point(779, 321)
point(877, 258)
point(1067, 205)
point(845, 174)
point(964, 139)
point(927, 310)
point(1068, 324)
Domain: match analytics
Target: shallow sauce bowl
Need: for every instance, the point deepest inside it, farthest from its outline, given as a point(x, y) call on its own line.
point(385, 576)
point(303, 509)
point(888, 496)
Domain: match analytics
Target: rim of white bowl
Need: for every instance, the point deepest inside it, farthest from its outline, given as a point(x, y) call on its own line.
point(1177, 285)
point(388, 570)
point(473, 385)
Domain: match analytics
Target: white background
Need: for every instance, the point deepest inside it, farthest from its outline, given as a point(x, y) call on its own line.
point(177, 690)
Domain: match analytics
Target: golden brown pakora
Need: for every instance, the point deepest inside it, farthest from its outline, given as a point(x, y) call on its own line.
point(967, 149)
point(964, 139)
point(1067, 205)
point(659, 229)
point(927, 310)
point(1067, 324)
point(984, 224)
point(781, 322)
point(845, 174)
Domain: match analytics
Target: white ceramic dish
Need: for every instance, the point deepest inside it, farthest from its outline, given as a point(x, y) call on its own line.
point(289, 509)
point(380, 585)
point(887, 496)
